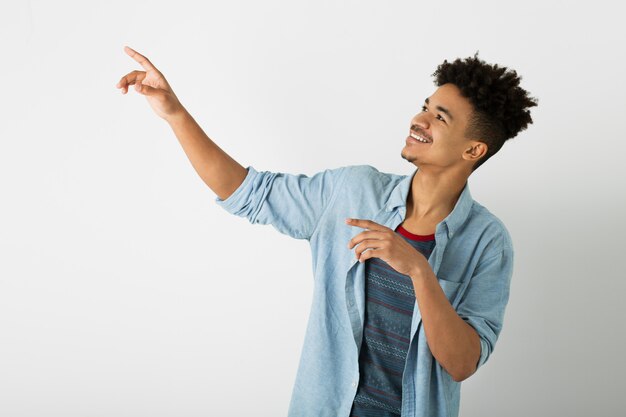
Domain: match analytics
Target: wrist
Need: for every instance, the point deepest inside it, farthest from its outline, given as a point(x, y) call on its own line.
point(422, 277)
point(178, 116)
point(417, 273)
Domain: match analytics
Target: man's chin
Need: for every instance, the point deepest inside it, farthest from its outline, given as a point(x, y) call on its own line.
point(409, 158)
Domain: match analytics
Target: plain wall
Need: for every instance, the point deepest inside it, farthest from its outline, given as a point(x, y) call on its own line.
point(126, 291)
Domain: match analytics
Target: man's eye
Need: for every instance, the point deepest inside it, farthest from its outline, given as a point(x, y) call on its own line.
point(440, 117)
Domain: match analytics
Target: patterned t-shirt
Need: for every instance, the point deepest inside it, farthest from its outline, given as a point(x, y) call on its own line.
point(390, 299)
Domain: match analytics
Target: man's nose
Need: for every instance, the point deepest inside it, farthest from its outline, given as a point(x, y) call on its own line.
point(421, 121)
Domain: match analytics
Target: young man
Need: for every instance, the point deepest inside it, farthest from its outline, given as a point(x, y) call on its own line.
point(412, 275)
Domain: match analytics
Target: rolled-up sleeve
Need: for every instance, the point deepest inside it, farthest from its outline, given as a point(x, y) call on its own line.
point(485, 299)
point(292, 203)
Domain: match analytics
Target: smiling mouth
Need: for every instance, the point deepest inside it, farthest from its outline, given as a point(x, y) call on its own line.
point(414, 137)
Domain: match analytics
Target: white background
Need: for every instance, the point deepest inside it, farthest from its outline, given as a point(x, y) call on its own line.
point(126, 291)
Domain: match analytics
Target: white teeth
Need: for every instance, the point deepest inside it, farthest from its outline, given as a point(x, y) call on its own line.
point(414, 136)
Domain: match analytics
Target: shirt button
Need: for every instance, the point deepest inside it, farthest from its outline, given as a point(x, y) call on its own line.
point(354, 384)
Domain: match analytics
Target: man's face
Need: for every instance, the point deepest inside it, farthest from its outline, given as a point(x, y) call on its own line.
point(442, 122)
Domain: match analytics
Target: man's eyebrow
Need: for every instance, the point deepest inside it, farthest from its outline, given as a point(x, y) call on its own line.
point(442, 109)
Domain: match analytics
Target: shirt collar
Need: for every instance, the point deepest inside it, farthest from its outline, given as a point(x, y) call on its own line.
point(453, 221)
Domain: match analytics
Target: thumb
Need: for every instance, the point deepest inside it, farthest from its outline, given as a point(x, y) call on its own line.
point(146, 90)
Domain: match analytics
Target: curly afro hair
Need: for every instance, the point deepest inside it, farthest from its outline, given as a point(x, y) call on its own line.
point(500, 104)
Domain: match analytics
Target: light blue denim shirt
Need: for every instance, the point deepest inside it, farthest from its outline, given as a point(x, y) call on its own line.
point(472, 259)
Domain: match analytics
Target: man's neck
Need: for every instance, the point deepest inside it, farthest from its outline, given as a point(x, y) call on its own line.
point(432, 197)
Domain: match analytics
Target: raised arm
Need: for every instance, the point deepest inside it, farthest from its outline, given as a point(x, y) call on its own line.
point(217, 169)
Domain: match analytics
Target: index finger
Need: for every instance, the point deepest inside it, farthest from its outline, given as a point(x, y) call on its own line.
point(365, 224)
point(143, 61)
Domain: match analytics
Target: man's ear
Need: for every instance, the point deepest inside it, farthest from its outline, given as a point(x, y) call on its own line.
point(476, 151)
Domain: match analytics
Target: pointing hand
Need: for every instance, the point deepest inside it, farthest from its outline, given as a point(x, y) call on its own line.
point(382, 242)
point(153, 85)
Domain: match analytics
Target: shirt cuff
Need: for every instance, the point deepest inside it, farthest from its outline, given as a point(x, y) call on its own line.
point(484, 353)
point(238, 197)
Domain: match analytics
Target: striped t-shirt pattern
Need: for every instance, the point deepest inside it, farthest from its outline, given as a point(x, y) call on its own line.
point(389, 303)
